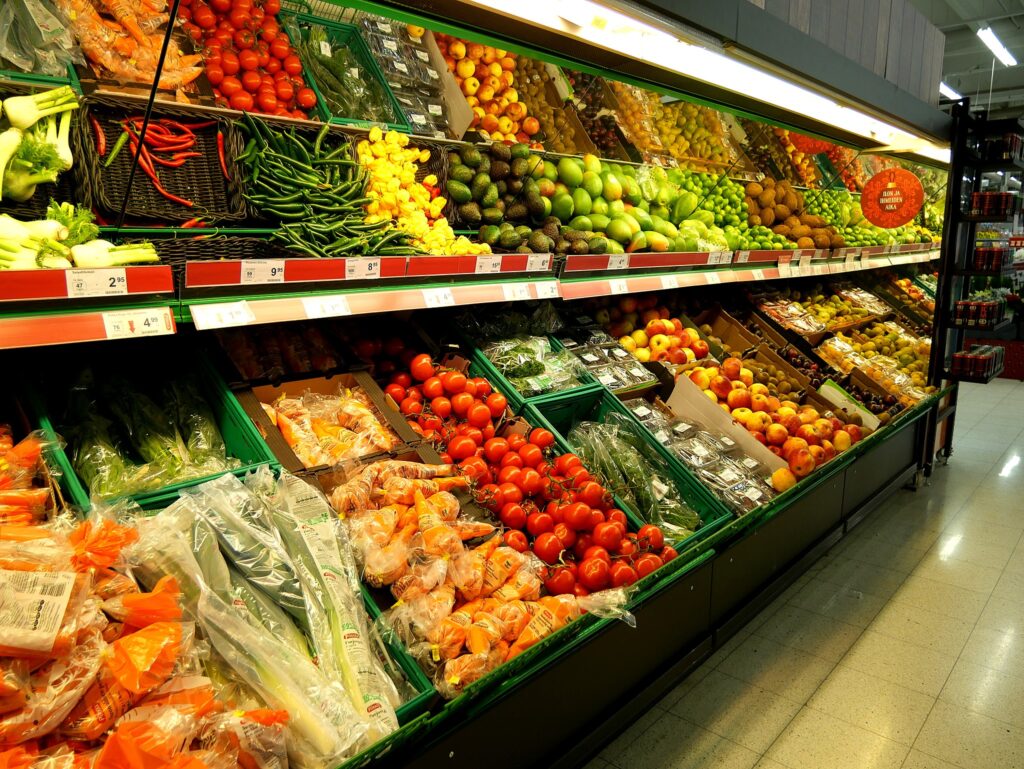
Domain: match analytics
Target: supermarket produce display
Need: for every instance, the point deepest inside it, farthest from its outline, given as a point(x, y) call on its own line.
point(393, 377)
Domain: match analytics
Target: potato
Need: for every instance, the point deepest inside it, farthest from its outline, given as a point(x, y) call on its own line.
point(836, 241)
point(753, 209)
point(781, 229)
point(821, 240)
point(790, 201)
point(766, 198)
point(792, 221)
point(803, 231)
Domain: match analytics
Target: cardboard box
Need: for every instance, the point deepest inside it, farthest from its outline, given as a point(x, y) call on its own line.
point(765, 354)
point(767, 331)
point(838, 398)
point(725, 327)
point(459, 113)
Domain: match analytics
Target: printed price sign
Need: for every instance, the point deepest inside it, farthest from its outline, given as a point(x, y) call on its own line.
point(221, 315)
point(742, 257)
point(326, 306)
point(548, 289)
point(669, 281)
point(438, 297)
point(488, 263)
point(263, 271)
point(538, 262)
point(618, 286)
point(128, 324)
point(757, 274)
point(107, 282)
point(516, 292)
point(362, 269)
point(712, 278)
point(618, 262)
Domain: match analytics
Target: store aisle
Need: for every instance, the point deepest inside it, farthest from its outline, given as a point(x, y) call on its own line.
point(903, 647)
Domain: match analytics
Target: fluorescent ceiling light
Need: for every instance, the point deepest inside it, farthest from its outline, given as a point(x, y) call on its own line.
point(949, 93)
point(612, 30)
point(988, 37)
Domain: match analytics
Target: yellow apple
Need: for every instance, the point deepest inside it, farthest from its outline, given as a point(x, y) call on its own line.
point(642, 354)
point(627, 343)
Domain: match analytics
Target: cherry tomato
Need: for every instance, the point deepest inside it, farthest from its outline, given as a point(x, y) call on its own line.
point(548, 547)
point(214, 74)
point(204, 17)
point(627, 548)
point(272, 7)
point(594, 573)
point(623, 574)
point(401, 378)
point(668, 553)
point(267, 101)
point(511, 459)
point(538, 523)
point(594, 494)
point(244, 40)
point(441, 406)
point(461, 447)
point(531, 454)
point(422, 367)
point(647, 563)
point(565, 535)
point(473, 468)
point(513, 515)
point(229, 63)
point(577, 516)
point(490, 496)
point(650, 537)
point(510, 474)
point(566, 462)
point(240, 19)
point(410, 406)
point(280, 49)
point(478, 414)
point(560, 581)
point(470, 387)
point(429, 422)
point(415, 393)
point(516, 441)
point(495, 449)
point(242, 101)
point(292, 65)
point(530, 481)
point(251, 81)
point(268, 29)
point(497, 403)
point(596, 551)
point(607, 535)
point(483, 387)
point(511, 492)
point(518, 541)
point(461, 403)
point(584, 541)
point(453, 381)
point(541, 437)
point(617, 516)
point(432, 387)
point(306, 97)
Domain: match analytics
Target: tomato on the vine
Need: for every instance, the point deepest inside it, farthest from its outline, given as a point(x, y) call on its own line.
point(453, 381)
point(565, 535)
point(432, 387)
point(495, 449)
point(511, 459)
point(461, 447)
point(441, 406)
point(577, 516)
point(461, 403)
point(647, 563)
point(401, 378)
point(510, 474)
point(395, 391)
point(596, 551)
point(496, 403)
point(473, 468)
point(668, 553)
point(422, 368)
point(538, 523)
point(478, 414)
point(650, 537)
point(593, 493)
point(516, 441)
point(564, 463)
point(606, 534)
point(541, 437)
point(548, 547)
point(560, 581)
point(531, 454)
point(517, 541)
point(594, 573)
point(511, 492)
point(512, 515)
point(530, 481)
point(490, 496)
point(306, 97)
point(623, 574)
point(483, 387)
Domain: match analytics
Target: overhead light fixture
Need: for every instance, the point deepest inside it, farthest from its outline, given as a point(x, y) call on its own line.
point(949, 93)
point(705, 60)
point(988, 37)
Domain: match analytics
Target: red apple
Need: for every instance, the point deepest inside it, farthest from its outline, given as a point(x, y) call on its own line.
point(792, 445)
point(700, 349)
point(731, 367)
point(810, 434)
point(801, 462)
point(738, 398)
point(759, 437)
point(776, 434)
point(721, 387)
point(824, 428)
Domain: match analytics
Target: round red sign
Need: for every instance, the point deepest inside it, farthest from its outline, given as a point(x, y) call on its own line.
point(892, 197)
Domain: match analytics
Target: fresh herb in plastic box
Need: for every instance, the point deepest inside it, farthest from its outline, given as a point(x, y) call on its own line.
point(532, 367)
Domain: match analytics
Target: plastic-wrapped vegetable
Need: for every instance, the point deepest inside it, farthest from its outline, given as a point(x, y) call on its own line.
point(194, 418)
point(532, 367)
point(97, 458)
point(34, 38)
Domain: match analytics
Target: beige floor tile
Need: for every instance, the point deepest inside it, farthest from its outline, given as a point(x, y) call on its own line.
point(875, 553)
point(858, 575)
point(810, 632)
point(853, 607)
point(1016, 562)
point(597, 763)
point(816, 740)
point(681, 690)
point(918, 760)
point(879, 706)
point(746, 714)
point(949, 600)
point(979, 530)
point(900, 662)
point(920, 627)
point(622, 746)
point(672, 743)
point(985, 505)
point(767, 763)
point(1005, 614)
point(994, 693)
point(950, 571)
point(962, 548)
point(971, 740)
point(1010, 586)
point(997, 649)
point(783, 670)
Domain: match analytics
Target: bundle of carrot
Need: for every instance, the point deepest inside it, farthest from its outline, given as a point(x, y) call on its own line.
point(22, 501)
point(166, 143)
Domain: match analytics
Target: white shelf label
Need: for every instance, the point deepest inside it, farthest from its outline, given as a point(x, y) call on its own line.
point(325, 48)
point(850, 260)
point(221, 315)
point(128, 324)
point(618, 286)
point(330, 306)
point(516, 292)
point(720, 257)
point(262, 271)
point(712, 278)
point(438, 297)
point(785, 271)
point(488, 263)
point(669, 281)
point(538, 262)
point(757, 274)
point(742, 256)
point(548, 289)
point(363, 268)
point(106, 282)
point(618, 262)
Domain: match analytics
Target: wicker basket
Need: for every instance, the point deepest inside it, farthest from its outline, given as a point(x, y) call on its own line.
point(177, 251)
point(200, 179)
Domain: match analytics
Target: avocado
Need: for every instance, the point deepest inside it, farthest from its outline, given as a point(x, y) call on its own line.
point(562, 246)
point(580, 247)
point(489, 234)
point(502, 188)
point(491, 215)
point(461, 173)
point(539, 243)
point(519, 167)
point(519, 150)
point(499, 169)
point(485, 164)
point(534, 204)
point(505, 227)
point(598, 245)
point(510, 239)
point(470, 155)
point(470, 213)
point(490, 196)
point(515, 186)
point(479, 186)
point(458, 191)
point(524, 231)
point(517, 211)
point(551, 229)
point(500, 151)
point(574, 235)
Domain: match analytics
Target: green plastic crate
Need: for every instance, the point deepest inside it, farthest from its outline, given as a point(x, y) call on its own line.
point(348, 36)
point(560, 415)
point(240, 438)
point(43, 81)
point(481, 365)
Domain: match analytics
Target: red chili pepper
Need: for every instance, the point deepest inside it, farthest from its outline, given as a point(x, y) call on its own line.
point(101, 138)
point(220, 154)
point(167, 163)
point(184, 128)
point(197, 222)
point(145, 163)
point(186, 155)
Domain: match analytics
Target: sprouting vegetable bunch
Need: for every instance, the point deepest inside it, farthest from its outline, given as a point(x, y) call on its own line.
point(34, 149)
point(415, 207)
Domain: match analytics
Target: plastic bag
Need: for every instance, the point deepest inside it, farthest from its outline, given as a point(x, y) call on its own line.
point(34, 39)
point(194, 418)
point(98, 543)
point(151, 744)
point(257, 737)
point(163, 604)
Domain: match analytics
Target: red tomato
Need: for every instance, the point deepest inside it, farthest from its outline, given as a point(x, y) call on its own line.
point(453, 381)
point(244, 40)
point(269, 29)
point(516, 441)
point(251, 81)
point(432, 387)
point(541, 437)
point(204, 17)
point(530, 481)
point(538, 523)
point(511, 492)
point(496, 448)
point(548, 548)
point(566, 462)
point(242, 101)
point(422, 367)
point(627, 548)
point(262, 54)
point(461, 403)
point(617, 516)
point(623, 574)
point(513, 515)
point(488, 431)
point(306, 97)
point(473, 468)
point(415, 393)
point(583, 543)
point(650, 537)
point(409, 405)
point(478, 414)
point(441, 406)
point(517, 541)
point(461, 447)
point(272, 6)
point(475, 435)
point(497, 403)
point(577, 516)
point(483, 387)
point(292, 65)
point(577, 476)
point(531, 454)
point(565, 535)
point(512, 459)
point(429, 422)
point(596, 551)
point(214, 74)
point(240, 19)
point(221, 6)
point(594, 573)
point(280, 49)
point(606, 534)
point(647, 563)
point(490, 496)
point(668, 553)
point(229, 62)
point(594, 494)
point(396, 392)
point(401, 378)
point(510, 474)
point(470, 387)
point(560, 581)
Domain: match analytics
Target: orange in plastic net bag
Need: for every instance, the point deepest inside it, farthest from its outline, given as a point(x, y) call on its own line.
point(98, 545)
point(143, 609)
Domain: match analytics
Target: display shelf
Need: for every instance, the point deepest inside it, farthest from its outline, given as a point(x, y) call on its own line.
point(578, 263)
point(40, 330)
point(106, 283)
point(989, 329)
point(973, 379)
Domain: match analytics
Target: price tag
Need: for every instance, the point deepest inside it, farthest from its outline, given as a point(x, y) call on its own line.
point(82, 283)
point(538, 262)
point(669, 281)
point(391, 45)
point(805, 263)
point(263, 271)
point(850, 260)
point(785, 271)
point(325, 48)
point(712, 278)
point(547, 289)
point(330, 306)
point(618, 286)
point(757, 274)
point(423, 56)
point(221, 315)
point(720, 257)
point(400, 66)
point(435, 109)
point(618, 262)
point(438, 297)
point(742, 257)
point(367, 268)
point(488, 263)
point(128, 324)
point(516, 292)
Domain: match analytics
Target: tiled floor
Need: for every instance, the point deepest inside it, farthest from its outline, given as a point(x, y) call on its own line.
point(903, 647)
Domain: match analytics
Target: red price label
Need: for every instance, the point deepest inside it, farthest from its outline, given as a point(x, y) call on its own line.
point(891, 198)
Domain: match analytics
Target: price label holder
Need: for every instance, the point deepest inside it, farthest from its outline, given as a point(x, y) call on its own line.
point(712, 278)
point(720, 257)
point(130, 324)
point(669, 281)
point(757, 274)
point(221, 315)
point(742, 257)
point(805, 264)
point(488, 263)
point(330, 306)
point(438, 297)
point(367, 268)
point(516, 292)
point(618, 286)
point(538, 262)
point(618, 262)
point(548, 289)
point(262, 271)
point(104, 282)
point(785, 267)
